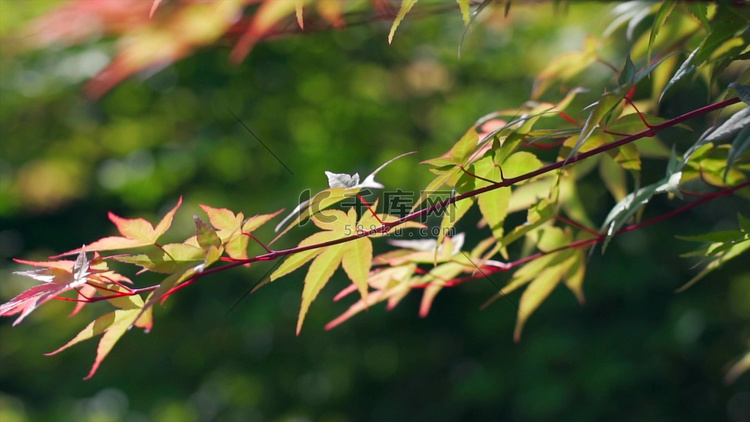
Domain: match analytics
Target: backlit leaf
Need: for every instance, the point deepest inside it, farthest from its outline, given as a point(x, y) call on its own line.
point(135, 232)
point(56, 280)
point(168, 259)
point(538, 290)
point(268, 14)
point(205, 234)
point(406, 5)
point(355, 255)
point(465, 12)
point(492, 204)
point(113, 325)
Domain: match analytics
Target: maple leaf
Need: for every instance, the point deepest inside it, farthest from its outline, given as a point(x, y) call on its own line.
point(340, 187)
point(135, 232)
point(394, 282)
point(113, 325)
point(544, 274)
point(58, 278)
point(354, 256)
point(233, 229)
point(99, 273)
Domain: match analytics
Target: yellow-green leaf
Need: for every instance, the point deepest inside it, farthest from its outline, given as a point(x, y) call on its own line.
point(317, 276)
point(356, 261)
point(535, 294)
point(406, 5)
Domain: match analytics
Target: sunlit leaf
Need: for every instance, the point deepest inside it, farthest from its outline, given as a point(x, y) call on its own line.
point(536, 292)
point(268, 14)
point(168, 259)
point(492, 204)
point(731, 127)
point(465, 12)
point(113, 325)
point(205, 234)
point(135, 232)
point(182, 273)
point(355, 255)
point(56, 280)
point(406, 5)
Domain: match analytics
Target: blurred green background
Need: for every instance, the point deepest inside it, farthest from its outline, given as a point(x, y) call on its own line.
point(342, 101)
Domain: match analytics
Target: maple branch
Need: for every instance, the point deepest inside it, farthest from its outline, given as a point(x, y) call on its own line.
point(386, 226)
point(491, 269)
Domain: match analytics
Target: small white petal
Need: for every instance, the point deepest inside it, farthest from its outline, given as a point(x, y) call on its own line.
point(342, 180)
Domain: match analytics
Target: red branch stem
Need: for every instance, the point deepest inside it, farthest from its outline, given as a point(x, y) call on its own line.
point(387, 226)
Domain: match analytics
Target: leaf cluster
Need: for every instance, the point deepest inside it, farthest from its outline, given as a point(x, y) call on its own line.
point(529, 159)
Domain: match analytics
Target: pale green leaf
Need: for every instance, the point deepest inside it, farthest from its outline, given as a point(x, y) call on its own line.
point(356, 261)
point(168, 259)
point(538, 290)
point(113, 325)
point(520, 163)
point(406, 5)
point(465, 12)
point(493, 204)
point(575, 275)
point(321, 270)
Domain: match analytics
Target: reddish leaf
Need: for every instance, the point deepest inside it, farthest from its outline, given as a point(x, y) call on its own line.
point(268, 14)
point(135, 232)
point(56, 281)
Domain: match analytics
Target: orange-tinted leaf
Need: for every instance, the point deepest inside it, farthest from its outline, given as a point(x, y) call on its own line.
point(331, 11)
point(162, 41)
point(56, 281)
point(135, 232)
point(268, 14)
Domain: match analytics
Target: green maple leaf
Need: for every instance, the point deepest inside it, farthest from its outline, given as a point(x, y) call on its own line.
point(354, 256)
point(233, 229)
